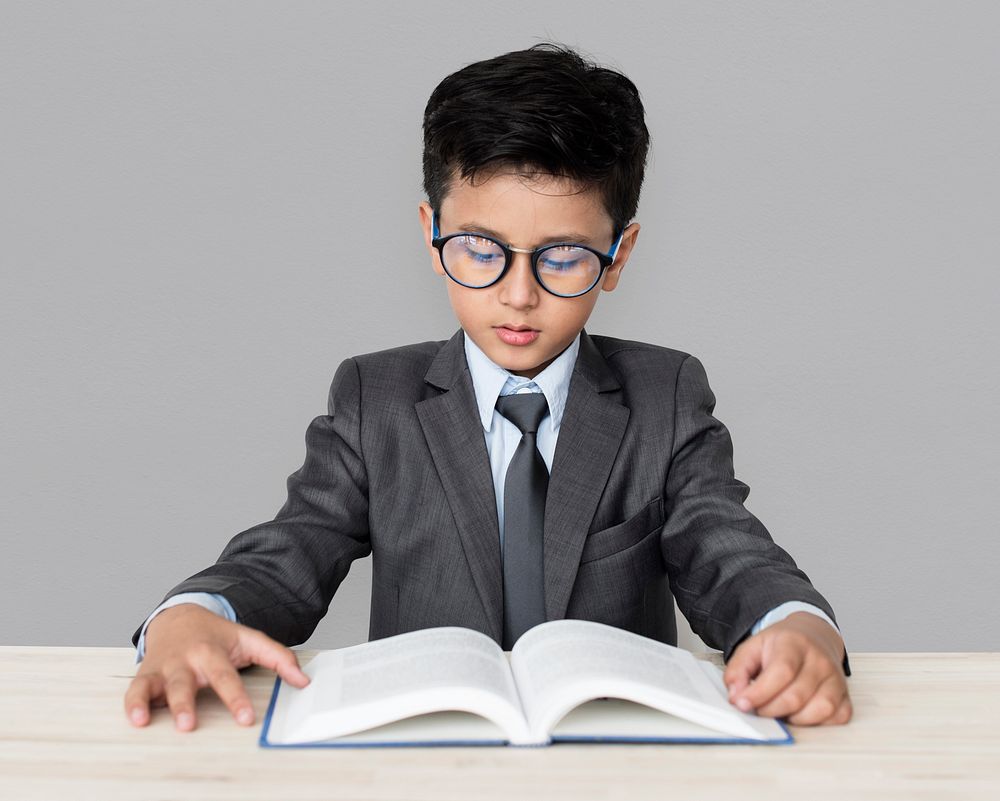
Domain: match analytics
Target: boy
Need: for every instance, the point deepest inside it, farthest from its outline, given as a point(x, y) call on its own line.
point(522, 470)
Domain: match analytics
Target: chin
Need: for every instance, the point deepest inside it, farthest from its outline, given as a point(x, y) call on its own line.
point(527, 365)
point(515, 359)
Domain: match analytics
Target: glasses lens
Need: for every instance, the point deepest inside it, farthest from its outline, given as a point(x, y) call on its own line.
point(568, 270)
point(472, 260)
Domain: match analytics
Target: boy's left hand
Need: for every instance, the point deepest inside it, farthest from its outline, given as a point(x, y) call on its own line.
point(796, 668)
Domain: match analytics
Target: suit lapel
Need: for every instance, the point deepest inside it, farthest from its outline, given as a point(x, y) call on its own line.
point(590, 434)
point(455, 438)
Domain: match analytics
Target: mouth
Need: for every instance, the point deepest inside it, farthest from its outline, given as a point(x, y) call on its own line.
point(517, 335)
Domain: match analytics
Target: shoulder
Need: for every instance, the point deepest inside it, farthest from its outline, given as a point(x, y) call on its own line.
point(391, 375)
point(410, 359)
point(655, 376)
point(643, 368)
point(628, 357)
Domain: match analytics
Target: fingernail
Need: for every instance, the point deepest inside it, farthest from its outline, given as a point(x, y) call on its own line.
point(245, 716)
point(184, 720)
point(743, 704)
point(137, 716)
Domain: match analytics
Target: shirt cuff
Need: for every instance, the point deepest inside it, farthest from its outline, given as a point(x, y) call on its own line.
point(212, 601)
point(784, 610)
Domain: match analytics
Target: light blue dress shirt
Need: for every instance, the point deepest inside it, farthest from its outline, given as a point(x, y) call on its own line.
point(502, 438)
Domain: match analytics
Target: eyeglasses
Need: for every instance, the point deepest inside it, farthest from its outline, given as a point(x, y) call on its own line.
point(566, 269)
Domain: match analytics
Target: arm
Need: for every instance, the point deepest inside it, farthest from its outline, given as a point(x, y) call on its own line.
point(725, 570)
point(280, 576)
point(277, 577)
point(731, 580)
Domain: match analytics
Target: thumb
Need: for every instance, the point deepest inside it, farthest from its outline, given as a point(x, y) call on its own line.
point(262, 650)
point(744, 664)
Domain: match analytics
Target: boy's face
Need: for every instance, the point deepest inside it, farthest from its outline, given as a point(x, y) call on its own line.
point(525, 213)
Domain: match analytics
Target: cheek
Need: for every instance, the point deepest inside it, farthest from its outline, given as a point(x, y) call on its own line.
point(573, 314)
point(463, 302)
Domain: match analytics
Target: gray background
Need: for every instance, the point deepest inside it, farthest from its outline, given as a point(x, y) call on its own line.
point(184, 190)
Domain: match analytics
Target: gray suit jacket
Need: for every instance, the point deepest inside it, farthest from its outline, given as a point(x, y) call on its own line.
point(642, 506)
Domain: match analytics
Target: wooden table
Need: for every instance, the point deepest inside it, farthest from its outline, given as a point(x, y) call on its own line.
point(926, 726)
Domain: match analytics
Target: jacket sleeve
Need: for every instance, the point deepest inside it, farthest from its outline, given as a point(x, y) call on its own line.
point(725, 570)
point(280, 576)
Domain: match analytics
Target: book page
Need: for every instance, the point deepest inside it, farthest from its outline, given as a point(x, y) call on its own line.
point(614, 720)
point(563, 663)
point(368, 685)
point(432, 728)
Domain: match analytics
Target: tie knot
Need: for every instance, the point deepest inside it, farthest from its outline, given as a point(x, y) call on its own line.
point(525, 411)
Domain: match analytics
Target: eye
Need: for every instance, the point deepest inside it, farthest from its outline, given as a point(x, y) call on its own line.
point(564, 258)
point(551, 264)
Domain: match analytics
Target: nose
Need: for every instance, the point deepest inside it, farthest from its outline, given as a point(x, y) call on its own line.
point(519, 289)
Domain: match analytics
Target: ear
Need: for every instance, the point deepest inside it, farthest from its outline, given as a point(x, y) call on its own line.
point(614, 272)
point(425, 212)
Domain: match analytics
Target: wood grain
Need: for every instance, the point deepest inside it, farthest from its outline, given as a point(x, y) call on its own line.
point(926, 726)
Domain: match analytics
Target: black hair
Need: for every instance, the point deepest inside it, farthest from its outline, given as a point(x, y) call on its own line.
point(544, 110)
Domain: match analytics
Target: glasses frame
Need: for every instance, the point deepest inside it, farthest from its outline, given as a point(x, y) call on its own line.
point(606, 259)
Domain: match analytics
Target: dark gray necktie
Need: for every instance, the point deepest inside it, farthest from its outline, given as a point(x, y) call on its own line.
point(525, 487)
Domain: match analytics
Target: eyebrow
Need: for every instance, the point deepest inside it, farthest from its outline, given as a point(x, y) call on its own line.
point(475, 228)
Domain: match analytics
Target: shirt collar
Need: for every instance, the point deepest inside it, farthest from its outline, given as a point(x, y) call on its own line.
point(490, 381)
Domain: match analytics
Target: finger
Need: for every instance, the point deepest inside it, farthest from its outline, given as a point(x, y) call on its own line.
point(778, 672)
point(262, 650)
point(224, 679)
point(809, 686)
point(143, 689)
point(181, 689)
point(743, 665)
point(821, 705)
point(843, 714)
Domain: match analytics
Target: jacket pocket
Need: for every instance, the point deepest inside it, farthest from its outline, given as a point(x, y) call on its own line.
point(609, 541)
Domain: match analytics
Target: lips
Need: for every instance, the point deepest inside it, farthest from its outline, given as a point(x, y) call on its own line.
point(516, 335)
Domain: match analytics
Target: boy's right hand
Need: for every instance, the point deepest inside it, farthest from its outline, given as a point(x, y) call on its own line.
point(189, 647)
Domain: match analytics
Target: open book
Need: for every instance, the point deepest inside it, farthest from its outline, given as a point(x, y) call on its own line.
point(564, 681)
